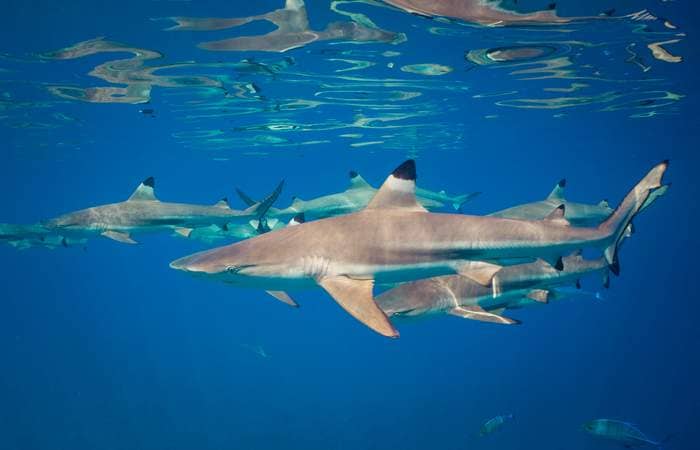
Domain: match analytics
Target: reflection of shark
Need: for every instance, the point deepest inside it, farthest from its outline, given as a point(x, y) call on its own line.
point(292, 30)
point(27, 236)
point(357, 196)
point(578, 214)
point(395, 239)
point(143, 212)
point(519, 285)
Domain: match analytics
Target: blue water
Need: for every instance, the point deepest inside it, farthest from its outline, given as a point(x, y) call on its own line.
point(108, 348)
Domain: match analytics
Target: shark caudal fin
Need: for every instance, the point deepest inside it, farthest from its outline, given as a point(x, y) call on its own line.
point(245, 198)
point(261, 208)
point(617, 225)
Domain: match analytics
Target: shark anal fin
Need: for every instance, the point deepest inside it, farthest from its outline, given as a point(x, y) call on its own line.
point(355, 297)
point(481, 272)
point(480, 314)
point(283, 297)
point(538, 295)
point(119, 237)
point(399, 190)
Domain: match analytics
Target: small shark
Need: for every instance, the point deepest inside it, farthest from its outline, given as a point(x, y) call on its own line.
point(519, 285)
point(356, 197)
point(143, 212)
point(395, 239)
point(578, 214)
point(23, 237)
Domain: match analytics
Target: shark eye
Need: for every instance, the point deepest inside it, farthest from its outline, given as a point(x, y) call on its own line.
point(233, 269)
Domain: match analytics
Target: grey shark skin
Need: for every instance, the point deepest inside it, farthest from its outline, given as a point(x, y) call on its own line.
point(143, 212)
point(230, 231)
point(356, 197)
point(394, 239)
point(520, 285)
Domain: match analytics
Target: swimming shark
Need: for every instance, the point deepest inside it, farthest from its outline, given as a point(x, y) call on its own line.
point(395, 239)
point(23, 237)
point(578, 214)
point(357, 196)
point(520, 285)
point(143, 212)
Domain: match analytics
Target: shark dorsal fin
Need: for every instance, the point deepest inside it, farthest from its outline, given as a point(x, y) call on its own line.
point(399, 190)
point(558, 191)
point(557, 216)
point(297, 202)
point(357, 182)
point(145, 191)
point(223, 203)
point(604, 204)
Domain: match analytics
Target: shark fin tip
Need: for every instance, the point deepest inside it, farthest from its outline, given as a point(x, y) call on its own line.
point(406, 171)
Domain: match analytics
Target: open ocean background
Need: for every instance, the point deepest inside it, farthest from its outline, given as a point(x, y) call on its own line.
point(110, 349)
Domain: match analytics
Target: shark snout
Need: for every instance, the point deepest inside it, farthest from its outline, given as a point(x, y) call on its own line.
point(192, 263)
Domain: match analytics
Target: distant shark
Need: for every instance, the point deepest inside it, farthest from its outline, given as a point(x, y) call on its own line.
point(394, 239)
point(23, 237)
point(356, 197)
point(143, 212)
point(578, 214)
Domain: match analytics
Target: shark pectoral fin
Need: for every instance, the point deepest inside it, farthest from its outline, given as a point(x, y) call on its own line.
point(283, 297)
point(399, 190)
point(480, 314)
point(482, 272)
point(539, 295)
point(557, 216)
point(355, 297)
point(184, 232)
point(119, 237)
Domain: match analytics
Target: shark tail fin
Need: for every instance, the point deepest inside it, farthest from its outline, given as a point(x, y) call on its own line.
point(617, 224)
point(246, 199)
point(460, 200)
point(264, 206)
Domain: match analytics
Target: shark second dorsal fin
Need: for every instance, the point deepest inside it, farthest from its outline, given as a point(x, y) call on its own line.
point(223, 203)
point(399, 190)
point(357, 182)
point(558, 191)
point(145, 191)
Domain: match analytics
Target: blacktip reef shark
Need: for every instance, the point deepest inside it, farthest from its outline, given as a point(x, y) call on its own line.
point(23, 237)
point(520, 285)
point(394, 239)
point(578, 214)
point(143, 212)
point(356, 197)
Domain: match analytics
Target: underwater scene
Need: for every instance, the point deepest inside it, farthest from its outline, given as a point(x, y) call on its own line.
point(349, 224)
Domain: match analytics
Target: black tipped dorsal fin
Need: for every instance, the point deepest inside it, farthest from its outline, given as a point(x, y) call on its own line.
point(357, 182)
point(557, 216)
point(399, 190)
point(223, 203)
point(558, 191)
point(145, 191)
